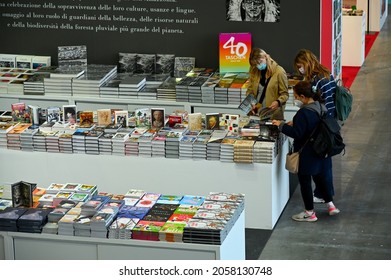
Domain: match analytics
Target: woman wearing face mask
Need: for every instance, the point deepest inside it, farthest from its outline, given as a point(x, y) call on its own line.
point(307, 64)
point(321, 81)
point(268, 83)
point(311, 166)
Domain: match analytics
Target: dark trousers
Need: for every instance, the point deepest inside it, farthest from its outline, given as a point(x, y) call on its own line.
point(330, 185)
point(323, 182)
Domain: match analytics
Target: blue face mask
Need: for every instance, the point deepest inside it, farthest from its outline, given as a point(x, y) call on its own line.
point(261, 66)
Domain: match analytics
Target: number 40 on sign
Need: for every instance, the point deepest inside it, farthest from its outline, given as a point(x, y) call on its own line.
point(234, 49)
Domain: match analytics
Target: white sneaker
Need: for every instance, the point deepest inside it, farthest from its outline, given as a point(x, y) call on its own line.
point(318, 200)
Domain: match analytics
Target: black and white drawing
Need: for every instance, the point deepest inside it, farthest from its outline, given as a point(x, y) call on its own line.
point(253, 10)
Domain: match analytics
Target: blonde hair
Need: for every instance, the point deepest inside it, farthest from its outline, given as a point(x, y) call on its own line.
point(253, 59)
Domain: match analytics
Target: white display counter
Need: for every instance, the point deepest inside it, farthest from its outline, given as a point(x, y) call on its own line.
point(266, 186)
point(33, 246)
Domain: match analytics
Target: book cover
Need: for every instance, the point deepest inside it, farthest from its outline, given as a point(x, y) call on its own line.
point(41, 61)
point(53, 114)
point(195, 121)
point(8, 60)
point(19, 113)
point(121, 118)
point(182, 65)
point(212, 121)
point(127, 62)
point(22, 194)
point(72, 56)
point(157, 117)
point(165, 64)
point(145, 63)
point(86, 119)
point(24, 61)
point(247, 104)
point(69, 113)
point(104, 116)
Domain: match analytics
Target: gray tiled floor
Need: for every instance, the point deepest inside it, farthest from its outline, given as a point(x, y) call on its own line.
point(362, 179)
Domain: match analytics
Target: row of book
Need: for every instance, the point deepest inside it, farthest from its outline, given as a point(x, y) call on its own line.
point(200, 85)
point(179, 143)
point(136, 215)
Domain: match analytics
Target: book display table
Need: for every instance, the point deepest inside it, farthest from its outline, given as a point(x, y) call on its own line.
point(266, 186)
point(32, 246)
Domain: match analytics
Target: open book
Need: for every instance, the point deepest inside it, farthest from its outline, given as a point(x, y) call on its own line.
point(247, 104)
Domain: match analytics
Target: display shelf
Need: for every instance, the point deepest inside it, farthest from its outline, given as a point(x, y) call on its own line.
point(331, 36)
point(353, 42)
point(266, 186)
point(33, 246)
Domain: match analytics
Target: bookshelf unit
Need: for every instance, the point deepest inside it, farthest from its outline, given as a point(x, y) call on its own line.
point(331, 36)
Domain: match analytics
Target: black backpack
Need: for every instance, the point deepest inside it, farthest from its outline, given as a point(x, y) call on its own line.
point(326, 139)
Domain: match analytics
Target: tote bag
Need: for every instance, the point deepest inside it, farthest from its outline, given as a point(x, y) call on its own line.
point(292, 162)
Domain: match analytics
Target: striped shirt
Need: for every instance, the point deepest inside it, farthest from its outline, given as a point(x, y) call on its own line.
point(327, 92)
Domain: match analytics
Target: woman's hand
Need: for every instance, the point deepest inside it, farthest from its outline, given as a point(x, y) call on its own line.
point(274, 105)
point(276, 122)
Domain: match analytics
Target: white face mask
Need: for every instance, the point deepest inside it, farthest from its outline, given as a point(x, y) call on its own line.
point(301, 70)
point(298, 103)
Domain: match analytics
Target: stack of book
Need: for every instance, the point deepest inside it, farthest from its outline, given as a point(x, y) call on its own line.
point(147, 230)
point(158, 146)
point(131, 85)
point(199, 147)
point(110, 88)
point(243, 151)
point(214, 143)
point(92, 141)
point(194, 89)
point(92, 79)
point(235, 90)
point(33, 220)
point(100, 223)
point(65, 142)
point(13, 136)
point(264, 152)
point(122, 228)
point(227, 150)
point(26, 138)
point(233, 202)
point(60, 80)
point(208, 89)
point(9, 217)
point(65, 224)
point(4, 129)
point(78, 140)
point(52, 142)
point(34, 85)
point(186, 147)
point(118, 143)
point(145, 143)
point(39, 141)
point(205, 231)
point(221, 89)
point(172, 143)
point(105, 146)
point(166, 91)
point(182, 89)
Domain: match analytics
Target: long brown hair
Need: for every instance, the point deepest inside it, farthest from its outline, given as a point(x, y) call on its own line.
point(311, 65)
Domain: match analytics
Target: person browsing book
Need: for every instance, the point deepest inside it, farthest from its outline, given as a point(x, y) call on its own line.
point(268, 83)
point(308, 65)
point(311, 166)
